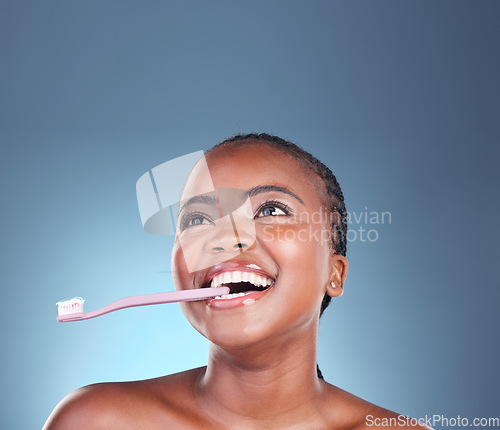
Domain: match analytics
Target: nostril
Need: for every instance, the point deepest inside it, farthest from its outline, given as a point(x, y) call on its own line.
point(238, 246)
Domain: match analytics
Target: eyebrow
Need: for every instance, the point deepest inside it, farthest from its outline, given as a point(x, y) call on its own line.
point(268, 188)
point(259, 189)
point(202, 198)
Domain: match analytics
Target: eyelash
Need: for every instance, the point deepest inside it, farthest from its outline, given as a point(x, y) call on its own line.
point(187, 218)
point(191, 216)
point(273, 204)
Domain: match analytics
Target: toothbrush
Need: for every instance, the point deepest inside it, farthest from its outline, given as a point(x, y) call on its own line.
point(72, 310)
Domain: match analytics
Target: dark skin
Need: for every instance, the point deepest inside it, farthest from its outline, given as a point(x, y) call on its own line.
point(261, 371)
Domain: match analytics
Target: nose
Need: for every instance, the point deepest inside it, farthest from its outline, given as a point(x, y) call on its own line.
point(229, 237)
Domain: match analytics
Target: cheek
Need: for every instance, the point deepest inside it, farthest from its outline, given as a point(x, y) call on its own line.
point(180, 273)
point(182, 281)
point(305, 240)
point(303, 273)
point(303, 250)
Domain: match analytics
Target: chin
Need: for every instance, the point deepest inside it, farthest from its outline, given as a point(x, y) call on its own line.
point(234, 336)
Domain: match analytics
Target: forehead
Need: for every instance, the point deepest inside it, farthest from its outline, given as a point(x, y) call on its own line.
point(248, 166)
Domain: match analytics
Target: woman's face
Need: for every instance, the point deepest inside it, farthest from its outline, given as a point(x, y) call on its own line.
point(278, 234)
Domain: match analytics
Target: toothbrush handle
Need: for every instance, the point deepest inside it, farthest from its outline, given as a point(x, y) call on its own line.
point(149, 299)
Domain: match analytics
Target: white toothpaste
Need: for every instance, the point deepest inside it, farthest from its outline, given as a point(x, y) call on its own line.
point(71, 306)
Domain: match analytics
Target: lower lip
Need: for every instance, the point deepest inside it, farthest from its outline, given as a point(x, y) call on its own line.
point(246, 300)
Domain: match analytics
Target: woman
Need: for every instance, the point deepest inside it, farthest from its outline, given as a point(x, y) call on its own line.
point(254, 216)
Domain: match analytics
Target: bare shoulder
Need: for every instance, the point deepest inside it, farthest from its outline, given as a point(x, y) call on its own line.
point(94, 406)
point(151, 403)
point(357, 414)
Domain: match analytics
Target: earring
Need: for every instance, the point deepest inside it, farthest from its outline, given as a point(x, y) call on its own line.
point(333, 284)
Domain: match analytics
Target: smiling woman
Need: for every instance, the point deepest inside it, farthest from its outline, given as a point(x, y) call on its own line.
point(267, 220)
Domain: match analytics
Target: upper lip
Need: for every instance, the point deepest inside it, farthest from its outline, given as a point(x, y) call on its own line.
point(231, 266)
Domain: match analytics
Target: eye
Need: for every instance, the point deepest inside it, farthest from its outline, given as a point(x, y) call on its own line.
point(194, 219)
point(197, 220)
point(272, 209)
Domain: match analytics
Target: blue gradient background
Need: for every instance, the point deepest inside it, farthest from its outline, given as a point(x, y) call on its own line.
point(399, 98)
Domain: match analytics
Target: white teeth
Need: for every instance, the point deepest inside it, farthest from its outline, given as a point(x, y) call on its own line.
point(216, 281)
point(234, 295)
point(240, 276)
point(236, 277)
point(253, 279)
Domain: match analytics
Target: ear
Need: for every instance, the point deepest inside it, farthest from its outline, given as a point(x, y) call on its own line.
point(338, 273)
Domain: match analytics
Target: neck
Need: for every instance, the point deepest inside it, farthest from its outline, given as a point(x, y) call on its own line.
point(275, 377)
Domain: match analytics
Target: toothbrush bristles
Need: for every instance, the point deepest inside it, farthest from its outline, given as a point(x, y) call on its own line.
point(71, 306)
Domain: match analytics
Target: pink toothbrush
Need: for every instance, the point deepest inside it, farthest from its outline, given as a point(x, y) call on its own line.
point(72, 310)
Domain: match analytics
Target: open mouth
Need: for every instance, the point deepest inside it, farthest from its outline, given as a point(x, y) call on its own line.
point(240, 283)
